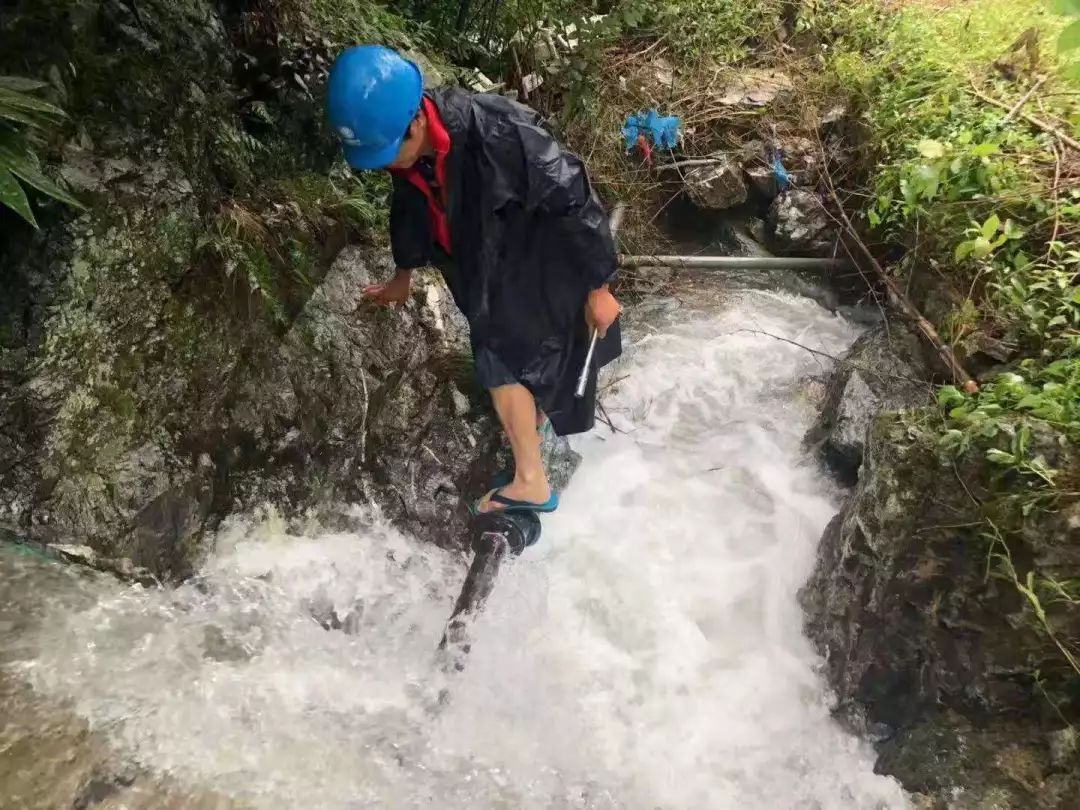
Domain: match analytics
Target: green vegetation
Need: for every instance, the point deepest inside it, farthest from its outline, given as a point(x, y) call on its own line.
point(24, 120)
point(973, 185)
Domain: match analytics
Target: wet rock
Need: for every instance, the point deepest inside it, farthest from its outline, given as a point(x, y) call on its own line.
point(920, 639)
point(799, 225)
point(82, 555)
point(884, 370)
point(163, 529)
point(716, 186)
point(560, 460)
point(963, 766)
point(122, 568)
point(375, 394)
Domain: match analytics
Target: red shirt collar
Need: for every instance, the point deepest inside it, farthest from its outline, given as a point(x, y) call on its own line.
point(440, 138)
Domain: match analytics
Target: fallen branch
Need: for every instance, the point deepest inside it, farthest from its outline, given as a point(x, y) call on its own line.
point(1031, 119)
point(945, 352)
point(1023, 100)
point(682, 164)
point(603, 416)
point(1057, 202)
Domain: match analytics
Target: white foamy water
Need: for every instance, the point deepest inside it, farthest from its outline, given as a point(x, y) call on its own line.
point(648, 653)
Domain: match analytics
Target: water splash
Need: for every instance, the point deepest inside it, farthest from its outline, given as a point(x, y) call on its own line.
point(647, 654)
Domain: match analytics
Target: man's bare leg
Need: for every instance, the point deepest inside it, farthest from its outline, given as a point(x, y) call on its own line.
point(517, 413)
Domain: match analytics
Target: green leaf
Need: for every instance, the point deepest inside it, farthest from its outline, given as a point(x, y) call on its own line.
point(12, 195)
point(963, 250)
point(20, 84)
point(1030, 401)
point(990, 227)
point(931, 149)
point(949, 396)
point(1051, 411)
point(1000, 457)
point(1070, 38)
point(1023, 439)
point(20, 116)
point(1066, 8)
point(981, 247)
point(984, 150)
point(25, 169)
point(21, 101)
point(960, 413)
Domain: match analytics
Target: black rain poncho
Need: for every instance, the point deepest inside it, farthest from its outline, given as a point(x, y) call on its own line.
point(530, 239)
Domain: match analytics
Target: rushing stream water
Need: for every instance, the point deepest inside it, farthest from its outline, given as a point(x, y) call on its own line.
point(648, 653)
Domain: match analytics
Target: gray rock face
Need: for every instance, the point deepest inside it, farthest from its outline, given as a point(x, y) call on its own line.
point(883, 370)
point(717, 186)
point(375, 398)
point(800, 225)
point(954, 763)
point(354, 403)
point(921, 644)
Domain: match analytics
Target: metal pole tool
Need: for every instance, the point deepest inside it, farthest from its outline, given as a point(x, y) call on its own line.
point(583, 379)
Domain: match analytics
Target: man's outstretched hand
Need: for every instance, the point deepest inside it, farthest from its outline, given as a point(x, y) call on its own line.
point(601, 310)
point(392, 292)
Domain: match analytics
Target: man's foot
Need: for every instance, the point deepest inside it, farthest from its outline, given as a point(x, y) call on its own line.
point(516, 497)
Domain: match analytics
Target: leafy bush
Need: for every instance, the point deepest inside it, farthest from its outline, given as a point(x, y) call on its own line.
point(1010, 408)
point(718, 30)
point(24, 118)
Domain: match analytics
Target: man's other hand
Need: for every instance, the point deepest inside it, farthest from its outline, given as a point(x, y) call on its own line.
point(601, 310)
point(392, 292)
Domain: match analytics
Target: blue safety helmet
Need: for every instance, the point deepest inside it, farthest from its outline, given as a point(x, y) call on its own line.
point(372, 96)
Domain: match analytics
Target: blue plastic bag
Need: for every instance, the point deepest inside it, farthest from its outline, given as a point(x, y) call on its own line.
point(662, 130)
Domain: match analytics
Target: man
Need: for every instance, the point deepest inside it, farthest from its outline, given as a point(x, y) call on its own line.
point(482, 191)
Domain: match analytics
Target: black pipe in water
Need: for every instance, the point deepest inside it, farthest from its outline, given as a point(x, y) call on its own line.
point(494, 535)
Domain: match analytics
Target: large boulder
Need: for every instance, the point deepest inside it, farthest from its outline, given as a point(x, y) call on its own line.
point(717, 185)
point(800, 225)
point(385, 402)
point(884, 370)
point(917, 602)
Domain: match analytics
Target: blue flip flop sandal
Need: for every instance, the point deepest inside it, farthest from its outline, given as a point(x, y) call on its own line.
point(511, 505)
